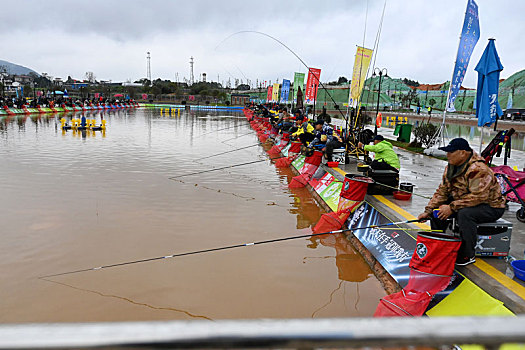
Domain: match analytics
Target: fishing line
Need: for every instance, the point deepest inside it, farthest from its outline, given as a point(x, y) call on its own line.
point(330, 300)
point(163, 308)
point(211, 132)
point(233, 138)
point(299, 58)
point(235, 150)
point(246, 198)
point(209, 250)
point(400, 190)
point(216, 169)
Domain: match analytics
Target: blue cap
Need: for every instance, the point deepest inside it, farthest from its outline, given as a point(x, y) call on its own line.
point(378, 138)
point(456, 145)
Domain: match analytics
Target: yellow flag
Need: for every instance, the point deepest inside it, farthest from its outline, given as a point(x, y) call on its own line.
point(275, 92)
point(362, 61)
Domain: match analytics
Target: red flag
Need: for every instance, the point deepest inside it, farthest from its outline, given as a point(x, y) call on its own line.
point(312, 84)
point(270, 91)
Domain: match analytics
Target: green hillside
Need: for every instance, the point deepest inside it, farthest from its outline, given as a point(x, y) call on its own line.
point(514, 84)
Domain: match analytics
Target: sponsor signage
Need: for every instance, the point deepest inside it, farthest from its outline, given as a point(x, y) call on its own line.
point(312, 85)
point(361, 63)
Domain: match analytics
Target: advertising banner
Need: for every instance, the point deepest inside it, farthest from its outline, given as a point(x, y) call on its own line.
point(361, 63)
point(327, 187)
point(298, 162)
point(392, 248)
point(269, 95)
point(467, 42)
point(275, 92)
point(312, 85)
point(285, 90)
point(298, 81)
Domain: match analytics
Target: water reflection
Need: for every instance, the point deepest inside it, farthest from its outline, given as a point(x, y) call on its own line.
point(473, 133)
point(69, 205)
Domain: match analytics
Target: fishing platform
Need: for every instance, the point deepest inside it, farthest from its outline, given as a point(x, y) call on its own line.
point(482, 288)
point(478, 289)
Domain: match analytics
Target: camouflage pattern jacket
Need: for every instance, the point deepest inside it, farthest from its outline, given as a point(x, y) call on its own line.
point(473, 185)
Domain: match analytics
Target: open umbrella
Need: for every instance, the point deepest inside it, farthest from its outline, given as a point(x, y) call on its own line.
point(488, 68)
point(118, 95)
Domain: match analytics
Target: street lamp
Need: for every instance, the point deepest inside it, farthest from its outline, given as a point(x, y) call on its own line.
point(380, 72)
point(395, 89)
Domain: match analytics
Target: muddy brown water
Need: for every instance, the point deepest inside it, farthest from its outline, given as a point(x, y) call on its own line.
point(70, 201)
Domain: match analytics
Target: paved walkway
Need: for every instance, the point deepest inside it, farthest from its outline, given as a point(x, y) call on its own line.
point(492, 274)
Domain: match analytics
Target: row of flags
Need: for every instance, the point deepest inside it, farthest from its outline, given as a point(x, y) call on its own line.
point(488, 68)
point(362, 63)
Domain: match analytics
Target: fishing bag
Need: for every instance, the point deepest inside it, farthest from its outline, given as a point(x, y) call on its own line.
point(435, 253)
point(403, 304)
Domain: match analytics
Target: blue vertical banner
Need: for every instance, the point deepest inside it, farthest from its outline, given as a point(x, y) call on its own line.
point(467, 42)
point(509, 101)
point(285, 90)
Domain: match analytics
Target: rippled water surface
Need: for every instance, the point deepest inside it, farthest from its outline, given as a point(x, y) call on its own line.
point(70, 201)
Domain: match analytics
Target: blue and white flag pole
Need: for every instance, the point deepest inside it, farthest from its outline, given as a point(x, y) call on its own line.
point(467, 41)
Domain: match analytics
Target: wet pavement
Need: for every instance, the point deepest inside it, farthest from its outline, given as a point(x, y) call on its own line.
point(493, 274)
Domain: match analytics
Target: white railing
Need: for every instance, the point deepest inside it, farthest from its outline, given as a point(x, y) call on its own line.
point(299, 333)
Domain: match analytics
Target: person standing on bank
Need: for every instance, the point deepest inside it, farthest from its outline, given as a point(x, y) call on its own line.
point(385, 158)
point(468, 191)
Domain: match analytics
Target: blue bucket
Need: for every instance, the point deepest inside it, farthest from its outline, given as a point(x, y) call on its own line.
point(519, 268)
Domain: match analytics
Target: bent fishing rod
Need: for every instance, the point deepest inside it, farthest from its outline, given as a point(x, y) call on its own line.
point(296, 55)
point(209, 250)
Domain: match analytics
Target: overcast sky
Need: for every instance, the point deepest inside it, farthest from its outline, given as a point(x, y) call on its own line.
point(110, 38)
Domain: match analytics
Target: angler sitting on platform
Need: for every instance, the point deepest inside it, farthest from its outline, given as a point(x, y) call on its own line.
point(285, 121)
point(336, 142)
point(468, 191)
point(385, 157)
point(305, 131)
point(323, 133)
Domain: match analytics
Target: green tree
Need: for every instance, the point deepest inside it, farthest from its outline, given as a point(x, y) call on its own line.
point(424, 134)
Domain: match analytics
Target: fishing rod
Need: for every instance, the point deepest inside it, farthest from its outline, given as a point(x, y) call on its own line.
point(235, 150)
point(400, 190)
point(211, 132)
point(236, 137)
point(209, 250)
point(296, 55)
point(215, 169)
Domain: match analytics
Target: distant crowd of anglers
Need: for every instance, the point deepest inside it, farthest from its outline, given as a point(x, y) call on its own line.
point(317, 133)
point(41, 103)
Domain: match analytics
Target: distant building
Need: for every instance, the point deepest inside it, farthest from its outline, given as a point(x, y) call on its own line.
point(239, 99)
point(23, 79)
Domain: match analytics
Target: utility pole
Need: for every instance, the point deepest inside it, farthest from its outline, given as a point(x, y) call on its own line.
point(191, 71)
point(148, 57)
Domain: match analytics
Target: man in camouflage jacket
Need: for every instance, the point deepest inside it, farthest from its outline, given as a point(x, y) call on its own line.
point(469, 191)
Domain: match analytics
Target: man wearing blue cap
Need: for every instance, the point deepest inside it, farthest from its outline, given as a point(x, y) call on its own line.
point(470, 192)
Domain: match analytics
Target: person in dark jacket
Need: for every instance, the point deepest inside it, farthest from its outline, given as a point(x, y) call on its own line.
point(470, 192)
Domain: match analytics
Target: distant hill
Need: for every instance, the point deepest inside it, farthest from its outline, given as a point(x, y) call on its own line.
point(516, 83)
point(16, 69)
